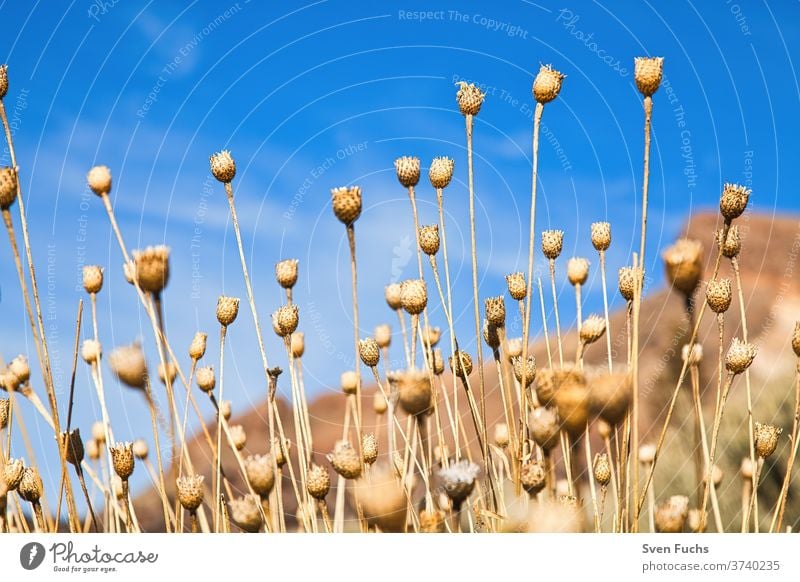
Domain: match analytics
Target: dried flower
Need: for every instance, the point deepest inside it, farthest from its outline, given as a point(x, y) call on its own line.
point(21, 369)
point(73, 447)
point(413, 389)
point(225, 409)
point(428, 237)
point(514, 347)
point(592, 329)
point(286, 273)
point(552, 243)
point(227, 310)
point(286, 319)
point(99, 180)
point(470, 98)
point(610, 395)
point(238, 436)
point(671, 515)
point(197, 349)
point(297, 343)
point(438, 362)
point(733, 201)
point(533, 477)
point(407, 169)
point(719, 295)
point(379, 404)
point(491, 335)
point(167, 373)
point(441, 172)
point(393, 293)
point(431, 336)
point(516, 286)
point(8, 187)
point(601, 236)
point(369, 448)
point(128, 364)
point(732, 245)
point(345, 460)
point(544, 427)
point(746, 469)
point(602, 469)
point(369, 351)
point(695, 357)
point(461, 364)
point(647, 453)
point(3, 80)
point(383, 335)
point(190, 492)
point(260, 474)
point(647, 72)
point(246, 513)
point(99, 432)
point(739, 357)
point(383, 501)
point(524, 371)
point(122, 458)
point(766, 439)
point(496, 311)
point(92, 278)
point(222, 166)
point(346, 204)
point(318, 482)
point(684, 264)
point(152, 268)
point(501, 436)
point(458, 480)
point(5, 412)
point(12, 473)
point(577, 270)
point(414, 296)
point(30, 486)
point(349, 382)
point(547, 84)
point(627, 282)
point(572, 402)
point(204, 376)
point(140, 449)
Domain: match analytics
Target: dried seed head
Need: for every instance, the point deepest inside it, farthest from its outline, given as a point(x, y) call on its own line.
point(627, 282)
point(286, 273)
point(92, 278)
point(733, 243)
point(383, 335)
point(318, 482)
point(246, 513)
point(514, 347)
point(796, 339)
point(12, 473)
point(739, 357)
point(280, 450)
point(733, 201)
point(3, 80)
point(552, 243)
point(227, 309)
point(516, 286)
point(225, 409)
point(603, 429)
point(73, 447)
point(190, 491)
point(694, 357)
point(140, 449)
point(407, 169)
point(414, 295)
point(298, 344)
point(647, 72)
point(30, 487)
point(99, 180)
point(602, 469)
point(592, 329)
point(496, 310)
point(260, 474)
point(238, 436)
point(369, 448)
point(99, 432)
point(222, 166)
point(122, 458)
point(370, 352)
point(524, 371)
point(671, 515)
point(458, 480)
point(393, 293)
point(152, 268)
point(413, 390)
point(8, 187)
point(379, 404)
point(491, 335)
point(346, 203)
point(441, 172)
point(428, 237)
point(501, 436)
point(716, 475)
point(21, 369)
point(746, 469)
point(544, 427)
point(461, 364)
point(438, 362)
point(168, 373)
point(547, 84)
point(601, 235)
point(469, 98)
point(128, 364)
point(197, 349)
point(431, 336)
point(766, 439)
point(719, 295)
point(696, 520)
point(205, 378)
point(684, 264)
point(345, 460)
point(572, 401)
point(533, 477)
point(92, 449)
point(8, 381)
point(286, 319)
point(5, 411)
point(349, 382)
point(129, 270)
point(383, 501)
point(577, 270)
point(610, 395)
point(647, 453)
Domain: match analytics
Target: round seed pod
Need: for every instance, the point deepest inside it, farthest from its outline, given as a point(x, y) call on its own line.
point(413, 390)
point(205, 378)
point(122, 459)
point(349, 382)
point(491, 335)
point(238, 436)
point(346, 203)
point(544, 427)
point(3, 80)
point(369, 448)
point(431, 336)
point(190, 492)
point(647, 453)
point(152, 268)
point(225, 409)
point(407, 169)
point(5, 412)
point(383, 501)
point(610, 396)
point(592, 329)
point(99, 432)
point(732, 245)
point(577, 270)
point(547, 84)
point(30, 486)
point(716, 475)
point(383, 335)
point(128, 364)
point(227, 310)
point(129, 270)
point(796, 339)
point(280, 451)
point(379, 404)
point(696, 520)
point(345, 460)
point(140, 449)
point(514, 347)
point(572, 402)
point(627, 282)
point(501, 436)
point(733, 201)
point(552, 243)
point(739, 357)
point(438, 362)
point(469, 98)
point(21, 369)
point(516, 286)
point(92, 278)
point(496, 310)
point(601, 236)
point(428, 237)
point(318, 482)
point(746, 469)
point(647, 72)
point(286, 273)
point(602, 469)
point(462, 366)
point(92, 449)
point(370, 352)
point(73, 447)
point(684, 265)
point(671, 515)
point(549, 381)
point(167, 373)
point(298, 344)
point(719, 295)
point(694, 357)
point(533, 477)
point(197, 348)
point(603, 429)
point(393, 293)
point(288, 317)
point(246, 513)
point(8, 187)
point(99, 180)
point(223, 167)
point(8, 381)
point(766, 439)
point(260, 473)
point(414, 296)
point(432, 521)
point(458, 480)
point(12, 473)
point(524, 371)
point(441, 172)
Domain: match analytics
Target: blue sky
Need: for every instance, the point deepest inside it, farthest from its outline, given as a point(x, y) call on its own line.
point(313, 96)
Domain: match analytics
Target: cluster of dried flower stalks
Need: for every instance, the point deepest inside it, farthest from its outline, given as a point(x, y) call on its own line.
point(441, 470)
